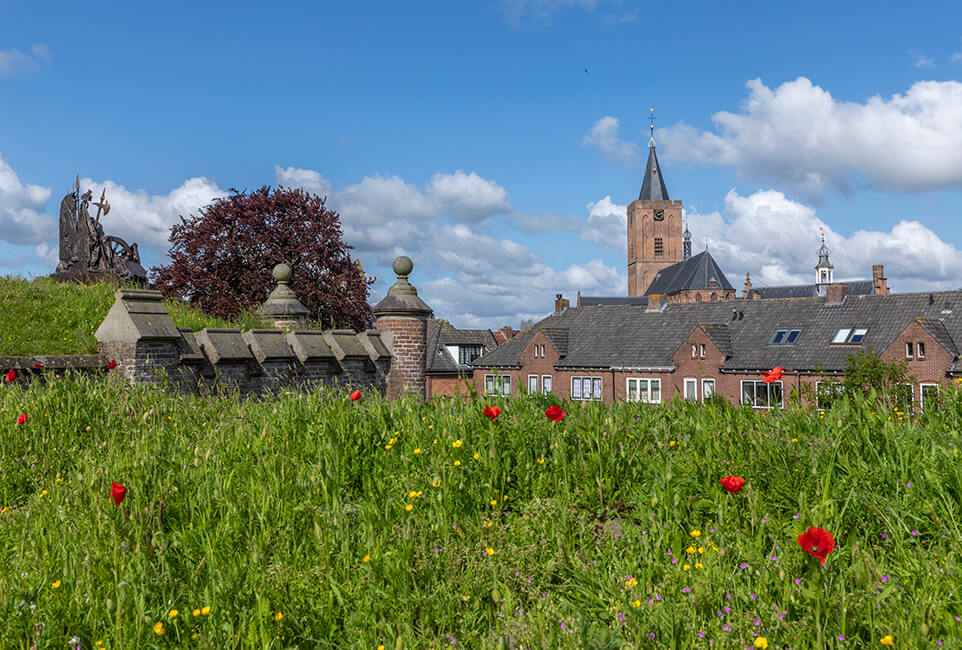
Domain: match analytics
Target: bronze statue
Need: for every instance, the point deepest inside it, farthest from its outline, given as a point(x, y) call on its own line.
point(86, 254)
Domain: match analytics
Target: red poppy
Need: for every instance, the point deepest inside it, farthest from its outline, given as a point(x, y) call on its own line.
point(118, 492)
point(38, 365)
point(732, 483)
point(492, 412)
point(773, 375)
point(817, 542)
point(22, 418)
point(11, 377)
point(554, 413)
point(356, 395)
point(111, 365)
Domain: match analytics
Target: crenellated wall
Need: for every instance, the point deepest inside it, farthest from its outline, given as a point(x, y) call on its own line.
point(140, 336)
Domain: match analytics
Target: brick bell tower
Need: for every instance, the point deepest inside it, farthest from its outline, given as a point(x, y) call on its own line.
point(654, 227)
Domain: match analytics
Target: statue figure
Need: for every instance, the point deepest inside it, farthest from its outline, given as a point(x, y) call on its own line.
point(85, 252)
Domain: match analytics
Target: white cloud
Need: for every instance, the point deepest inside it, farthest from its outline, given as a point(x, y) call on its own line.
point(491, 282)
point(14, 61)
point(607, 224)
point(776, 239)
point(21, 221)
point(515, 10)
point(387, 216)
point(137, 216)
point(603, 135)
point(920, 60)
point(797, 135)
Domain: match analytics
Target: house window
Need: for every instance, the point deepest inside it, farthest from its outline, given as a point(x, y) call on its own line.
point(760, 395)
point(826, 392)
point(659, 246)
point(691, 389)
point(468, 353)
point(701, 350)
point(930, 397)
point(908, 350)
point(793, 336)
point(857, 335)
point(694, 350)
point(707, 389)
point(532, 384)
point(497, 385)
point(779, 336)
point(546, 383)
point(905, 397)
point(646, 391)
point(841, 336)
point(920, 350)
point(586, 388)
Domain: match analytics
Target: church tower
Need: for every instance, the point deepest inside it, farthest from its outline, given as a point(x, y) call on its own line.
point(824, 271)
point(654, 227)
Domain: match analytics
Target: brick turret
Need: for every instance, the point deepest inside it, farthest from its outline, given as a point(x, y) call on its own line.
point(402, 320)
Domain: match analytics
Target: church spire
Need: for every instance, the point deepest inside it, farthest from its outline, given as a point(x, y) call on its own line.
point(824, 271)
point(686, 244)
point(653, 187)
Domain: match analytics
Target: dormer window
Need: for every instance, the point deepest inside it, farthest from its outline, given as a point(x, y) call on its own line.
point(785, 337)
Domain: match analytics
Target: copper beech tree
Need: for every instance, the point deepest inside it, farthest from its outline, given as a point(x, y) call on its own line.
point(221, 259)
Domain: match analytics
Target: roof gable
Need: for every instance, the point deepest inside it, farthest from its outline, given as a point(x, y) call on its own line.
point(694, 274)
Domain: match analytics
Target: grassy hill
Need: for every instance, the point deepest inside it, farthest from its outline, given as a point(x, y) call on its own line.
point(318, 522)
point(42, 316)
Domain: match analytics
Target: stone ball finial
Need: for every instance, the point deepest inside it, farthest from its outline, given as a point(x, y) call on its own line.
point(281, 272)
point(403, 266)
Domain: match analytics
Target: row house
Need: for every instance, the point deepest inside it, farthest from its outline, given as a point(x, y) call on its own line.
point(662, 350)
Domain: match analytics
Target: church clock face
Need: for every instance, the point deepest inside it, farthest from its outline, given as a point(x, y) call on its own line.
point(659, 215)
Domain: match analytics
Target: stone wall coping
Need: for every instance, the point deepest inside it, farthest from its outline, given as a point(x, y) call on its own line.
point(309, 345)
point(344, 344)
point(268, 344)
point(376, 349)
point(223, 344)
point(137, 315)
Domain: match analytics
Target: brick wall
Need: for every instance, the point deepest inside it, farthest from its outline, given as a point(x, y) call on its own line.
point(408, 337)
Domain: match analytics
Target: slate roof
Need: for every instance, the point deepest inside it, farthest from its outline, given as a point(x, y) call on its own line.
point(629, 337)
point(441, 333)
point(558, 338)
point(594, 301)
point(937, 329)
point(855, 288)
point(696, 272)
point(653, 186)
point(720, 336)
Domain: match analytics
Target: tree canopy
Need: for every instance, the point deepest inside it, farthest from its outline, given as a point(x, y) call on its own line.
point(221, 258)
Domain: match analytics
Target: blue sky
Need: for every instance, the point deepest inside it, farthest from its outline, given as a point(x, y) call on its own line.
point(469, 136)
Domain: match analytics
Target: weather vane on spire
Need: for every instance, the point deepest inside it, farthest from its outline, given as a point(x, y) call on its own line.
point(651, 121)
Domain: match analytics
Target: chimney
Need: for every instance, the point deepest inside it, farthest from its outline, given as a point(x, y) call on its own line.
point(579, 298)
point(560, 304)
point(746, 292)
point(657, 302)
point(878, 280)
point(835, 293)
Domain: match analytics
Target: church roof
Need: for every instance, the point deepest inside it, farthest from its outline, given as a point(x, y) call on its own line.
point(855, 288)
point(653, 187)
point(695, 273)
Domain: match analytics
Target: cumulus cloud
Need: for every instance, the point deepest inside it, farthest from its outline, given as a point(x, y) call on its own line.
point(385, 216)
point(607, 224)
point(798, 136)
point(137, 216)
point(15, 61)
point(21, 221)
point(603, 136)
point(490, 282)
point(776, 239)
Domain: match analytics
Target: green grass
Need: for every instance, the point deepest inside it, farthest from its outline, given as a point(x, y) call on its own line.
point(254, 508)
point(42, 316)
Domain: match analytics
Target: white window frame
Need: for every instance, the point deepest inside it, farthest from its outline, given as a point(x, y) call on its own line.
point(908, 350)
point(922, 387)
point(839, 391)
point(694, 351)
point(652, 385)
point(920, 351)
point(490, 387)
point(588, 388)
point(704, 383)
point(911, 394)
point(841, 336)
point(768, 394)
point(702, 350)
point(691, 396)
point(545, 384)
point(532, 391)
point(860, 332)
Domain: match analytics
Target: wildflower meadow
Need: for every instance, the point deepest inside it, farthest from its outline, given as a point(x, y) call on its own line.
point(133, 518)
